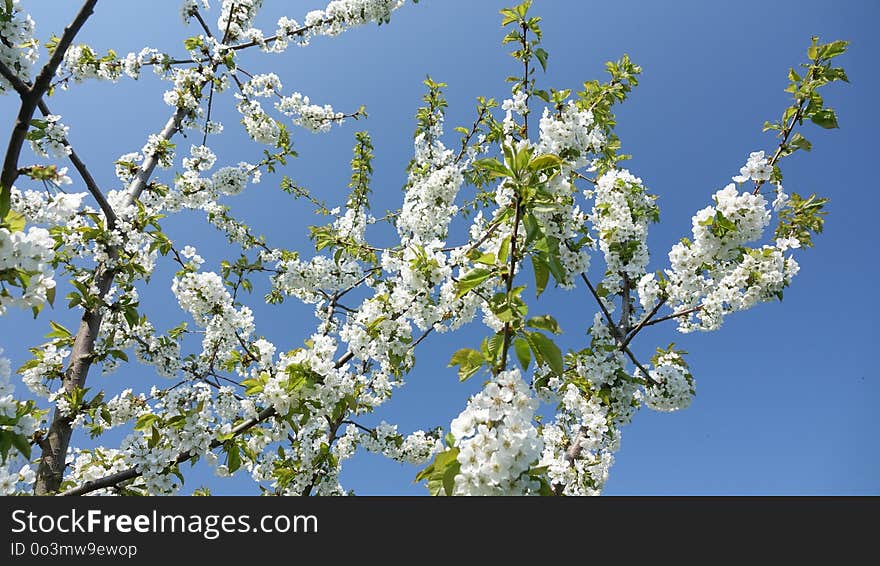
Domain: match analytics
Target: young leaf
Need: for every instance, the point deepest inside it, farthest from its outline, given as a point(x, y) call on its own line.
point(542, 55)
point(472, 280)
point(548, 351)
point(523, 353)
point(801, 142)
point(493, 167)
point(542, 273)
point(468, 361)
point(544, 322)
point(544, 162)
point(825, 118)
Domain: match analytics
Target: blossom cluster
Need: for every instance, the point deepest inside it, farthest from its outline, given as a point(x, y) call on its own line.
point(340, 15)
point(30, 252)
point(670, 386)
point(572, 134)
point(82, 63)
point(496, 439)
point(16, 418)
point(51, 138)
point(580, 442)
point(715, 273)
point(206, 298)
point(190, 417)
point(310, 116)
point(622, 211)
point(19, 50)
point(415, 448)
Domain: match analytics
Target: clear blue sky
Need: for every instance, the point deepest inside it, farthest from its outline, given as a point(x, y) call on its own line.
point(785, 392)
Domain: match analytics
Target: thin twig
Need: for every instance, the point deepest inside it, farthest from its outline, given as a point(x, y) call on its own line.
point(643, 323)
point(87, 178)
point(505, 345)
point(675, 315)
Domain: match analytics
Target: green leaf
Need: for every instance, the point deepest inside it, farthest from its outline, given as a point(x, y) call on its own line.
point(5, 199)
point(437, 472)
point(145, 421)
point(119, 355)
point(544, 162)
point(833, 49)
point(800, 142)
point(469, 362)
point(544, 322)
point(825, 118)
point(5, 444)
point(14, 221)
point(493, 167)
point(233, 460)
point(509, 16)
point(523, 353)
point(542, 55)
point(449, 477)
point(547, 350)
point(472, 280)
point(542, 273)
point(504, 250)
point(22, 444)
point(522, 159)
point(58, 331)
point(493, 346)
point(177, 421)
point(834, 74)
point(192, 43)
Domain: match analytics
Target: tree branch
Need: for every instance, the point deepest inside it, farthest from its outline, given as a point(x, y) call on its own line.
point(87, 178)
point(678, 314)
point(29, 102)
point(786, 132)
point(505, 345)
point(643, 323)
point(625, 304)
point(51, 470)
point(612, 326)
point(131, 473)
point(20, 86)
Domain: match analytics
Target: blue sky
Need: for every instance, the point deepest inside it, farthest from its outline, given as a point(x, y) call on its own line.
point(785, 392)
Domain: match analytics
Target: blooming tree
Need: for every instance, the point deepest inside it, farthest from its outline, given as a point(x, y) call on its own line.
point(539, 179)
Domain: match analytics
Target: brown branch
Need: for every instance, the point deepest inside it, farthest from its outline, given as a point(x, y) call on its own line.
point(786, 132)
point(613, 327)
point(674, 315)
point(584, 177)
point(30, 99)
point(204, 25)
point(131, 473)
point(22, 88)
point(51, 469)
point(488, 234)
point(273, 38)
point(643, 323)
point(625, 306)
point(470, 134)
